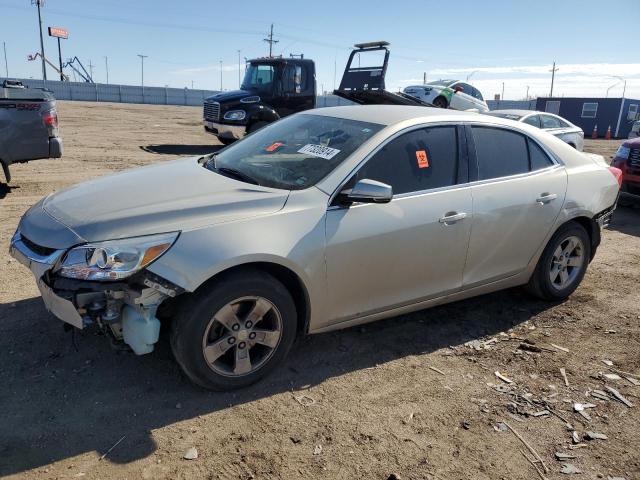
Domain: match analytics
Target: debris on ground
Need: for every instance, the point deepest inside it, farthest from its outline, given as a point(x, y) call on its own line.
point(500, 427)
point(569, 469)
point(599, 394)
point(564, 456)
point(563, 372)
point(618, 396)
point(575, 437)
point(304, 400)
point(436, 370)
point(612, 376)
point(317, 450)
point(595, 436)
point(558, 347)
point(502, 377)
point(191, 454)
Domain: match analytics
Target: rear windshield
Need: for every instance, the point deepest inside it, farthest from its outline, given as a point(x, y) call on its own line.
point(510, 116)
point(293, 153)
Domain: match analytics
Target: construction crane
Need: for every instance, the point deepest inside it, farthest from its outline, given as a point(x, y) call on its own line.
point(34, 57)
point(83, 74)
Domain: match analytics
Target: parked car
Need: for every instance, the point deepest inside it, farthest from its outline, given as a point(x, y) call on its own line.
point(323, 220)
point(555, 125)
point(627, 159)
point(272, 88)
point(635, 129)
point(449, 94)
point(28, 125)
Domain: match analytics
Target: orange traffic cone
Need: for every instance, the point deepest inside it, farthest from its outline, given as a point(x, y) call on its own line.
point(607, 136)
point(594, 134)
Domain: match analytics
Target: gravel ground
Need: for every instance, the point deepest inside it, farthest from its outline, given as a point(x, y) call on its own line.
point(409, 396)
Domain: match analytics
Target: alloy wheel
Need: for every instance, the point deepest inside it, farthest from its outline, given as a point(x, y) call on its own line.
point(566, 262)
point(242, 336)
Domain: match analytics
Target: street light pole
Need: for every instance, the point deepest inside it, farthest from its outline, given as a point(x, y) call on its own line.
point(142, 57)
point(553, 76)
point(6, 65)
point(239, 81)
point(220, 75)
point(44, 69)
point(106, 66)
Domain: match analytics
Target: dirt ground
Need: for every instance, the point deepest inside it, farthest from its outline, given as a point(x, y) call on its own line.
point(403, 397)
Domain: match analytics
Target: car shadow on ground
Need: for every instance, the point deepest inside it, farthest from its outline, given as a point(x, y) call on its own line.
point(186, 150)
point(6, 189)
point(626, 219)
point(61, 398)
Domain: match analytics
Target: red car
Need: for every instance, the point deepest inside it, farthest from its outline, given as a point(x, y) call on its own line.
point(627, 159)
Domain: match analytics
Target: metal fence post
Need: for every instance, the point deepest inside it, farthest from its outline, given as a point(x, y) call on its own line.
point(120, 93)
point(96, 85)
point(166, 96)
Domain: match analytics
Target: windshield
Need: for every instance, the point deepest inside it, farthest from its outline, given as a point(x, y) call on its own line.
point(293, 153)
point(444, 83)
point(259, 77)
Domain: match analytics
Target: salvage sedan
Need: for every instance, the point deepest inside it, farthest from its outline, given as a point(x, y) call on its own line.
point(555, 125)
point(323, 220)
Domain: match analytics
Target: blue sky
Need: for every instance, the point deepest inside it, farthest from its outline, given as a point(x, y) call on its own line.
point(495, 41)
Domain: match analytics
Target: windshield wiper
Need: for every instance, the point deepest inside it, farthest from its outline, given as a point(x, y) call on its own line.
point(232, 172)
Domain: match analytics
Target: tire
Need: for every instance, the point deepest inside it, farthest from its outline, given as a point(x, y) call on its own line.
point(226, 141)
point(440, 102)
point(196, 331)
point(574, 266)
point(257, 126)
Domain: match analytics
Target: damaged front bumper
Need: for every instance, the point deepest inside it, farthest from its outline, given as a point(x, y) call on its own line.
point(127, 308)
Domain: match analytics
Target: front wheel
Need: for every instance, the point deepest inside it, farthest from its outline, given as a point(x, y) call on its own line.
point(236, 332)
point(563, 263)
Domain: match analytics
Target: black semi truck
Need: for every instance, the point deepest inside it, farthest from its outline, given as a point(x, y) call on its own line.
point(272, 88)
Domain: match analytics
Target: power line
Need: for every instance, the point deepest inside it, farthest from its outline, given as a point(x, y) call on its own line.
point(270, 41)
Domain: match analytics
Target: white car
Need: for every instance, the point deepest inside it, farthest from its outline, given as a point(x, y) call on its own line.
point(635, 130)
point(449, 94)
point(555, 125)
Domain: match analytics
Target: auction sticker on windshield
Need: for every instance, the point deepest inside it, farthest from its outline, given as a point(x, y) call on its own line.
point(319, 151)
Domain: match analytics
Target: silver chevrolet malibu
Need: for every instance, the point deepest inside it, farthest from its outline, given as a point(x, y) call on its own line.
point(323, 220)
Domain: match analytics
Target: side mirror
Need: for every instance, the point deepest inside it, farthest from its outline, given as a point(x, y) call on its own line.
point(368, 191)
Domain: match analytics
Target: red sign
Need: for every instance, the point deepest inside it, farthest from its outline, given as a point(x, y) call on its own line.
point(58, 32)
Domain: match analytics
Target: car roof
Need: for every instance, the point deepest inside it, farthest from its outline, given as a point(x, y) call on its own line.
point(514, 111)
point(392, 114)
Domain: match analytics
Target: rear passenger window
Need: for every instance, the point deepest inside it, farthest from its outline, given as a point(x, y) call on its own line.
point(500, 153)
point(539, 159)
point(418, 160)
point(533, 120)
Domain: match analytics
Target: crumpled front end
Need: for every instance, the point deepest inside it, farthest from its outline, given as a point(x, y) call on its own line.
point(126, 308)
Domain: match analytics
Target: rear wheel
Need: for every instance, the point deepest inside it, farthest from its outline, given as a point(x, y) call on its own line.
point(236, 332)
point(563, 263)
point(440, 102)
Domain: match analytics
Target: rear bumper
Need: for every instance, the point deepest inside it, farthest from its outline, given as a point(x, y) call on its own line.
point(222, 130)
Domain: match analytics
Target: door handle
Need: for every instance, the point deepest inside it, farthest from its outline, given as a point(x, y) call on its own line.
point(546, 198)
point(452, 217)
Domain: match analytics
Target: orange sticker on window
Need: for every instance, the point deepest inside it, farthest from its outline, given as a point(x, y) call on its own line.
point(274, 146)
point(423, 161)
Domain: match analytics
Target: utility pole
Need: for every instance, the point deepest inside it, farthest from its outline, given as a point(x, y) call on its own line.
point(220, 75)
point(270, 41)
point(502, 97)
point(527, 92)
point(239, 80)
point(142, 57)
point(39, 3)
point(191, 84)
point(6, 65)
point(106, 66)
point(91, 70)
point(553, 76)
point(424, 78)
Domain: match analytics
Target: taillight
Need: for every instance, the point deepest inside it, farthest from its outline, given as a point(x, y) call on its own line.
point(50, 118)
point(616, 172)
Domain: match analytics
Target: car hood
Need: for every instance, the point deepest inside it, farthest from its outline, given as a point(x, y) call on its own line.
point(230, 96)
point(171, 196)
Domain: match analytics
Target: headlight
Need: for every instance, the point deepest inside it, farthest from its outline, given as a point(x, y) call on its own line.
point(623, 152)
point(252, 99)
point(114, 259)
point(235, 115)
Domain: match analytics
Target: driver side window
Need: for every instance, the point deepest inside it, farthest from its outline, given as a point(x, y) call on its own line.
point(294, 79)
point(418, 160)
